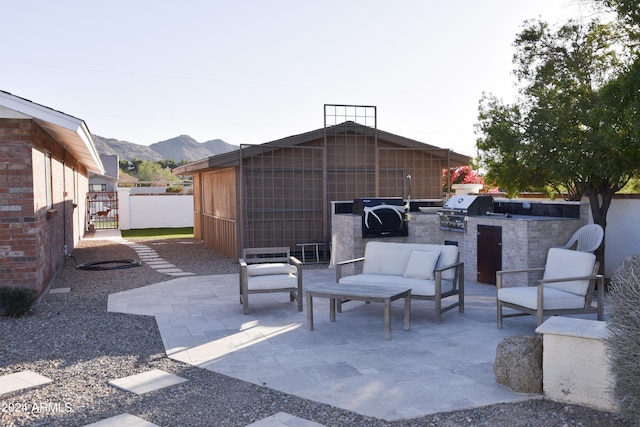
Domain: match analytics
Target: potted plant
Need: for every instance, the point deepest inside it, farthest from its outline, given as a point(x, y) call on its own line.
point(463, 180)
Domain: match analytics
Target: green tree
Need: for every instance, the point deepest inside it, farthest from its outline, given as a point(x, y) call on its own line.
point(130, 167)
point(167, 164)
point(153, 171)
point(628, 11)
point(561, 132)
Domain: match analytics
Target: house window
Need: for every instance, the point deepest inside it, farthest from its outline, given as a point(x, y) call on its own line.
point(98, 187)
point(47, 177)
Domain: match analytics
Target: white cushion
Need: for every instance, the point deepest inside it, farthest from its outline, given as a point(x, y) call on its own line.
point(419, 287)
point(422, 264)
point(384, 259)
point(272, 281)
point(392, 258)
point(448, 256)
point(567, 263)
point(552, 298)
point(270, 268)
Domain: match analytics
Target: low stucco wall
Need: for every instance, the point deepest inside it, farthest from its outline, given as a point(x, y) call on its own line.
point(575, 363)
point(622, 237)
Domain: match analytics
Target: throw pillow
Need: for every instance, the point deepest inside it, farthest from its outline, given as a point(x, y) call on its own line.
point(422, 264)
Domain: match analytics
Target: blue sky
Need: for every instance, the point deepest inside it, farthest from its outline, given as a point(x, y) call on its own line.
point(254, 71)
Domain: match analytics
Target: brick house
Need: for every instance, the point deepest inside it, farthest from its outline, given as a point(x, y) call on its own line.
point(45, 160)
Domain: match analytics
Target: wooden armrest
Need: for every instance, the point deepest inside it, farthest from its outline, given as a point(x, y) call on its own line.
point(350, 261)
point(341, 263)
point(448, 267)
point(501, 273)
point(569, 279)
point(295, 261)
point(523, 270)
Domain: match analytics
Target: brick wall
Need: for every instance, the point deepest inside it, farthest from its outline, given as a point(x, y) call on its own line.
point(32, 234)
point(18, 240)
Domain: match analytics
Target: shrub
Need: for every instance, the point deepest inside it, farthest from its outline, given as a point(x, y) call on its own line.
point(624, 345)
point(15, 301)
point(174, 189)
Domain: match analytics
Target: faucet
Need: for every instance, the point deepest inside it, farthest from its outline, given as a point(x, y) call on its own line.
point(407, 205)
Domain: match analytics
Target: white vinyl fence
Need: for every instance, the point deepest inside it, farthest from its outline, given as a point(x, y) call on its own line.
point(154, 210)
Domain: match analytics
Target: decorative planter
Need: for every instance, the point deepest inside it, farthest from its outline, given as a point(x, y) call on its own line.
point(464, 189)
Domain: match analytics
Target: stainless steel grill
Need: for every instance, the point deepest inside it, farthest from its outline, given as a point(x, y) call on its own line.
point(455, 213)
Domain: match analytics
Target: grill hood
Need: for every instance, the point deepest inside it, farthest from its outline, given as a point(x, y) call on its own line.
point(470, 205)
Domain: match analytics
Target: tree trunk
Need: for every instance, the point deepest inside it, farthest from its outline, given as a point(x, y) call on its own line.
point(600, 201)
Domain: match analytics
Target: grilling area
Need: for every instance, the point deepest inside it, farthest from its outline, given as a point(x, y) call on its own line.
point(455, 212)
point(492, 234)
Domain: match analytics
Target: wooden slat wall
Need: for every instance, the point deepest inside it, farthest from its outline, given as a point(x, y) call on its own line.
point(220, 235)
point(218, 216)
point(197, 207)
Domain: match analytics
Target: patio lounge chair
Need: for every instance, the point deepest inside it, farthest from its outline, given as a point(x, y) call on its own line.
point(586, 239)
point(269, 270)
point(567, 287)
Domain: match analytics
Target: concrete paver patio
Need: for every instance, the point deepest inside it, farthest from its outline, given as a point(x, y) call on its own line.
point(348, 364)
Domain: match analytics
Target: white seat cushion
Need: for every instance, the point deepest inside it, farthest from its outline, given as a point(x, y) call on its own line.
point(270, 268)
point(419, 287)
point(392, 258)
point(272, 281)
point(552, 299)
point(422, 265)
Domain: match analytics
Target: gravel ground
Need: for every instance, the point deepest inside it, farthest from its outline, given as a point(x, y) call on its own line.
point(73, 340)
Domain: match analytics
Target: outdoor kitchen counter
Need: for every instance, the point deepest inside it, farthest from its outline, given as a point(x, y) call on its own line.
point(525, 238)
point(530, 218)
point(503, 217)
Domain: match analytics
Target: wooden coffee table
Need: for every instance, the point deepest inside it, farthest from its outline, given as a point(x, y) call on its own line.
point(377, 293)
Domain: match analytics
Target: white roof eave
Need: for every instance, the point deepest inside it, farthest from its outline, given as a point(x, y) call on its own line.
point(70, 131)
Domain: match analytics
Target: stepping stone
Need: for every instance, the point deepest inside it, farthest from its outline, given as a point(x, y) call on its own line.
point(22, 380)
point(282, 419)
point(123, 420)
point(162, 265)
point(59, 290)
point(167, 270)
point(182, 273)
point(147, 381)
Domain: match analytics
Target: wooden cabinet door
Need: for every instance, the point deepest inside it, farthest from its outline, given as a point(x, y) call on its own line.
point(489, 253)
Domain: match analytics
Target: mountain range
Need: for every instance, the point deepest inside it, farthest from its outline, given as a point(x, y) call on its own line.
point(180, 148)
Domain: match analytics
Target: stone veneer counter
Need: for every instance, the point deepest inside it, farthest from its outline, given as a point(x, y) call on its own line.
point(525, 239)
